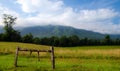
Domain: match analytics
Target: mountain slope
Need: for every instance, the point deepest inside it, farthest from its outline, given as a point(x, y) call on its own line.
point(1, 29)
point(48, 31)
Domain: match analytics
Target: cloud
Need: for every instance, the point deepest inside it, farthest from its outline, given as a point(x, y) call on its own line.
point(96, 4)
point(31, 6)
point(97, 15)
point(5, 10)
point(55, 12)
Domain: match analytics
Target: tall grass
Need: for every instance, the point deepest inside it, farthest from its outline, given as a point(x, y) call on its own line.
point(84, 58)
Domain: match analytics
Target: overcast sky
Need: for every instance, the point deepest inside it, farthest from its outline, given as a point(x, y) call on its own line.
point(95, 15)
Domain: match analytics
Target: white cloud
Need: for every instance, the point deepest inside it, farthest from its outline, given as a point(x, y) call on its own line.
point(56, 13)
point(31, 6)
point(97, 15)
point(5, 10)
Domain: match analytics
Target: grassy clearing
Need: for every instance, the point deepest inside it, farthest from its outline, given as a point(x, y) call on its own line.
point(85, 58)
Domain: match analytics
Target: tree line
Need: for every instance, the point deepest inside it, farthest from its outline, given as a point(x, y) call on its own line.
point(12, 35)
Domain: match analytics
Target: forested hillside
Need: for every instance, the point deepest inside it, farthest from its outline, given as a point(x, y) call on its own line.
point(50, 30)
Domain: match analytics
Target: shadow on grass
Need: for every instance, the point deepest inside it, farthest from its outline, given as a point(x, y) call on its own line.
point(18, 67)
point(5, 53)
point(1, 69)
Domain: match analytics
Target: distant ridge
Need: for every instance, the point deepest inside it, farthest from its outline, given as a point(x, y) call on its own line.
point(1, 29)
point(50, 30)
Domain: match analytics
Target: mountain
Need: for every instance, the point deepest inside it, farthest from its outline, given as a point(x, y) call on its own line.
point(1, 29)
point(50, 30)
point(114, 36)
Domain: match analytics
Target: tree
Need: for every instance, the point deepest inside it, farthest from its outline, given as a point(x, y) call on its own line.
point(54, 41)
point(107, 40)
point(44, 41)
point(74, 40)
point(9, 21)
point(36, 40)
point(117, 41)
point(84, 41)
point(10, 34)
point(63, 41)
point(1, 37)
point(28, 38)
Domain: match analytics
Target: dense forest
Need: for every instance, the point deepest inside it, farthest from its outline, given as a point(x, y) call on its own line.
point(12, 35)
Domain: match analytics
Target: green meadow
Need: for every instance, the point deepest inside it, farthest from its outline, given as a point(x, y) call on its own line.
point(82, 58)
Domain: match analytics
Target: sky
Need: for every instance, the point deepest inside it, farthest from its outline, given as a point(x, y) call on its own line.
point(101, 16)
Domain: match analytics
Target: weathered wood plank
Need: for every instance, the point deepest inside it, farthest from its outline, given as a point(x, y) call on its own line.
point(30, 53)
point(38, 51)
point(53, 57)
point(16, 57)
point(34, 50)
point(38, 56)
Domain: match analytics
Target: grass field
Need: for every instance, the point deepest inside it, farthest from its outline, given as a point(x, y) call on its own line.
point(83, 58)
